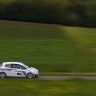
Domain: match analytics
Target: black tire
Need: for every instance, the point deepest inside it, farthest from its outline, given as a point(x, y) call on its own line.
point(2, 75)
point(30, 75)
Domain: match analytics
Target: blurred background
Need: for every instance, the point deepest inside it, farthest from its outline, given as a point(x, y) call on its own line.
point(65, 12)
point(58, 37)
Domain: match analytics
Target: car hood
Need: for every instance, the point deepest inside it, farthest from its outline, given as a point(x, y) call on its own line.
point(33, 69)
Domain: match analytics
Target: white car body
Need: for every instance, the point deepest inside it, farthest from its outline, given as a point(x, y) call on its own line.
point(17, 69)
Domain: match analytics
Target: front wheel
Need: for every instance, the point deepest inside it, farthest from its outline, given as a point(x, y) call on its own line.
point(29, 75)
point(2, 75)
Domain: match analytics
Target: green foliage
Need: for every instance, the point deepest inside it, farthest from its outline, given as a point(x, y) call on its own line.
point(25, 87)
point(67, 12)
point(6, 1)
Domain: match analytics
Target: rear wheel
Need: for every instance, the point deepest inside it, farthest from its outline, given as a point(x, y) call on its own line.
point(2, 75)
point(29, 75)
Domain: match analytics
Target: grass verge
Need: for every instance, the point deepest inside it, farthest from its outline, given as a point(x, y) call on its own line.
point(35, 87)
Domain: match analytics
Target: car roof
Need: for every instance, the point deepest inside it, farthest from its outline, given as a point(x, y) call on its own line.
point(12, 63)
point(20, 63)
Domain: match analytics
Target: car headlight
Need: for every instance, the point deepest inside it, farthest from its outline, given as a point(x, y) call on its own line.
point(36, 70)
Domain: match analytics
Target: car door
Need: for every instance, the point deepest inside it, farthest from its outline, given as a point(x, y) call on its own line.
point(10, 71)
point(20, 71)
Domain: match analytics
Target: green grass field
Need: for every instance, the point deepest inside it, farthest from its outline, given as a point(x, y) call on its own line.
point(36, 87)
point(84, 39)
point(50, 48)
point(83, 36)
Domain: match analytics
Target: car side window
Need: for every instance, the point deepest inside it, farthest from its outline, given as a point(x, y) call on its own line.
point(8, 65)
point(17, 66)
point(22, 67)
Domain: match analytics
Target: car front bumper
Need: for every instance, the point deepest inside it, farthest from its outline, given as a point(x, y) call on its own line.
point(36, 75)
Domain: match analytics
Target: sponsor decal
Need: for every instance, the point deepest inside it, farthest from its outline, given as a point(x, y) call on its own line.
point(8, 69)
point(24, 72)
point(19, 74)
point(5, 69)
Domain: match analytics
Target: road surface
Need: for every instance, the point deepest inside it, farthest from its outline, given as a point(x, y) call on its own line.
point(67, 77)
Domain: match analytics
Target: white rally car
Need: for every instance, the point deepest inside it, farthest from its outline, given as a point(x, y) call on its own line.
point(17, 69)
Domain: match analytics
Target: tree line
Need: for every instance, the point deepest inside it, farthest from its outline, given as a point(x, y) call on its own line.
point(66, 12)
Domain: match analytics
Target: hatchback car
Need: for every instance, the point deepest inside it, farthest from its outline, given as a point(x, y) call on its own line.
point(17, 69)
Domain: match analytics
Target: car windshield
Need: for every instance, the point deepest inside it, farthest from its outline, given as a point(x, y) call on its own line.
point(26, 66)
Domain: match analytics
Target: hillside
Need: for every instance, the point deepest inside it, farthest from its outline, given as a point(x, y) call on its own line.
point(50, 48)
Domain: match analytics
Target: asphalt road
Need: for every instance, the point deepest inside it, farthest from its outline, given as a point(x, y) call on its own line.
point(67, 77)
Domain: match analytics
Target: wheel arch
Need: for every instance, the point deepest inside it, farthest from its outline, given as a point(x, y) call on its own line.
point(4, 73)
